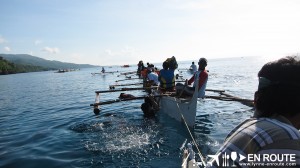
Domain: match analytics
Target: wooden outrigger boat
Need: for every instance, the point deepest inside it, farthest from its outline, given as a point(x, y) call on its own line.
point(181, 109)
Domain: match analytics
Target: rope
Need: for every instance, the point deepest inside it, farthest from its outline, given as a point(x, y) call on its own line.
point(199, 153)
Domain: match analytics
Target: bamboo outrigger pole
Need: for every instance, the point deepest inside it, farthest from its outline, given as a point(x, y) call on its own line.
point(228, 97)
point(127, 73)
point(126, 89)
point(126, 79)
point(119, 100)
point(128, 84)
point(97, 99)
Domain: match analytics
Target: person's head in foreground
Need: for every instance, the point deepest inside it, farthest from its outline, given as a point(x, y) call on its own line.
point(279, 90)
point(274, 129)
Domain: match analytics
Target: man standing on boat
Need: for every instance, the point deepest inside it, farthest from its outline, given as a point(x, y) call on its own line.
point(272, 135)
point(201, 74)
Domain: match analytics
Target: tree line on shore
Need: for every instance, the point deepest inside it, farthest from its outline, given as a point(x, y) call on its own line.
point(7, 67)
point(22, 63)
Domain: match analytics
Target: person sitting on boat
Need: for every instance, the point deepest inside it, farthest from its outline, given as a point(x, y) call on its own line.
point(274, 128)
point(152, 78)
point(193, 67)
point(150, 66)
point(140, 67)
point(201, 74)
point(103, 70)
point(166, 78)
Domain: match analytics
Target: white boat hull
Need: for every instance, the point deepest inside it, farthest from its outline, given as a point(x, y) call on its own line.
point(177, 107)
point(181, 109)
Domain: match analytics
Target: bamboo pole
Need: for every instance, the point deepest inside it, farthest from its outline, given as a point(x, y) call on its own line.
point(213, 90)
point(247, 102)
point(119, 100)
point(126, 73)
point(128, 84)
point(126, 79)
point(126, 89)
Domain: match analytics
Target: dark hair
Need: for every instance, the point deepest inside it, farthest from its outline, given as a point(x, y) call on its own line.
point(165, 65)
point(202, 63)
point(279, 88)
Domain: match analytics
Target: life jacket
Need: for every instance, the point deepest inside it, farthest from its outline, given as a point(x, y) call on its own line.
point(167, 79)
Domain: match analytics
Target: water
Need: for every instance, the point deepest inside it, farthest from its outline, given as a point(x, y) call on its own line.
point(46, 120)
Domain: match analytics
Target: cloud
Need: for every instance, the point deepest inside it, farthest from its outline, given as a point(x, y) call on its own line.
point(2, 40)
point(126, 54)
point(37, 42)
point(7, 49)
point(51, 50)
point(127, 51)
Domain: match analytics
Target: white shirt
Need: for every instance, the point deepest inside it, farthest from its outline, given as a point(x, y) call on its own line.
point(194, 67)
point(153, 76)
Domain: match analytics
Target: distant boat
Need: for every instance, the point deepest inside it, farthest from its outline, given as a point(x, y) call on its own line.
point(65, 70)
point(125, 66)
point(102, 73)
point(62, 71)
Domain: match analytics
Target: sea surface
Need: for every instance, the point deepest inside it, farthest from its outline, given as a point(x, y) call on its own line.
point(46, 119)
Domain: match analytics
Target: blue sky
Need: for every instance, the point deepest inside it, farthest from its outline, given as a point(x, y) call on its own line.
point(117, 32)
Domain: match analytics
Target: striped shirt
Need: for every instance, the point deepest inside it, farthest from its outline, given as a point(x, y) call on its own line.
point(275, 139)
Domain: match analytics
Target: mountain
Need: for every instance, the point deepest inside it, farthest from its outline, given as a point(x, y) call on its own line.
point(7, 67)
point(29, 60)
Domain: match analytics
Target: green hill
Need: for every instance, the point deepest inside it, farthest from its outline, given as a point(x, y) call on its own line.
point(7, 67)
point(26, 59)
point(20, 63)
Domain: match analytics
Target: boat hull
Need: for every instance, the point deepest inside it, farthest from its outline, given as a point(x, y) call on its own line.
point(183, 110)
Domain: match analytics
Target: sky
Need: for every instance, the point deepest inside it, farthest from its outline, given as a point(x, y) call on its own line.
point(118, 32)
